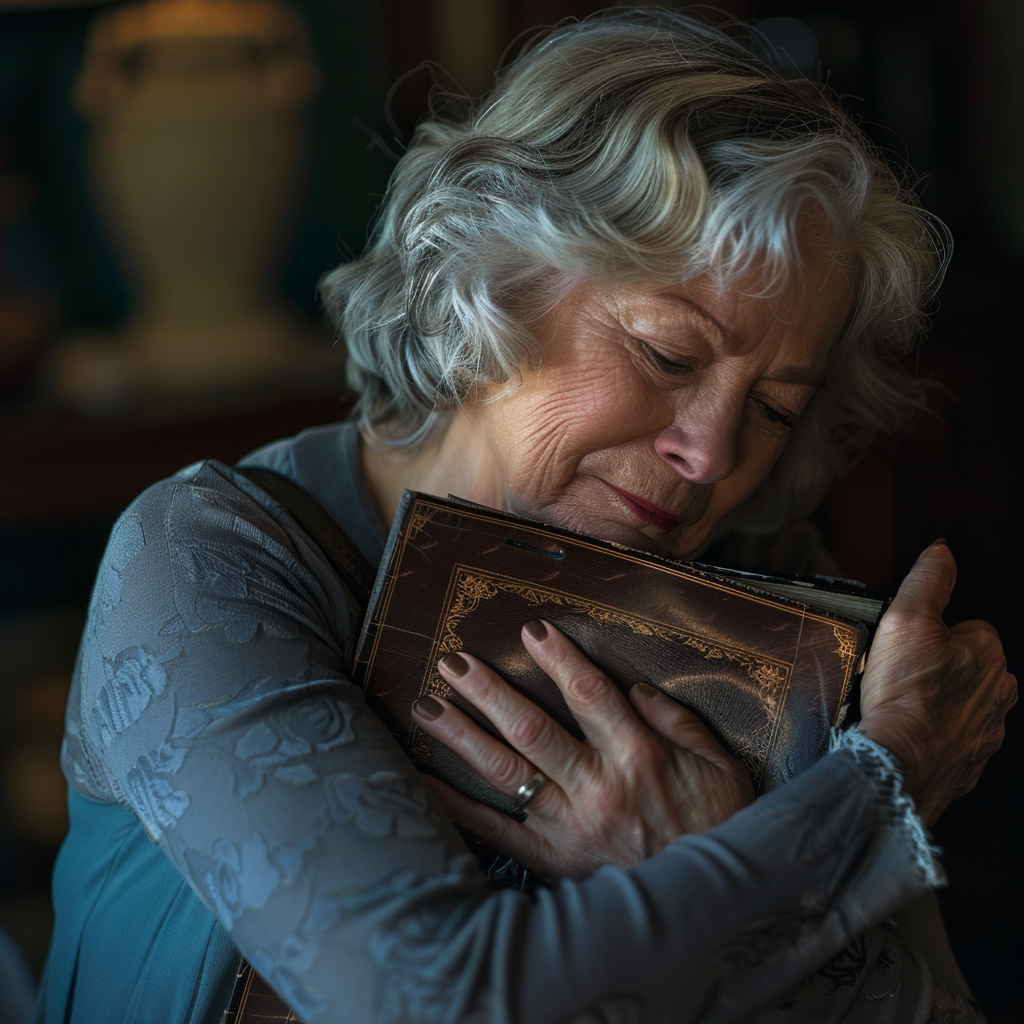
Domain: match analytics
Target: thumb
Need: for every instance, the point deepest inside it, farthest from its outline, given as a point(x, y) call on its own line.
point(927, 588)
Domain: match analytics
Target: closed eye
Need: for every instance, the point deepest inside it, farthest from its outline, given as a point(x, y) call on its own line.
point(775, 416)
point(666, 364)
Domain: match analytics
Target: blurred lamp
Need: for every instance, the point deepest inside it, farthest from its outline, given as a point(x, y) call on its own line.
point(196, 146)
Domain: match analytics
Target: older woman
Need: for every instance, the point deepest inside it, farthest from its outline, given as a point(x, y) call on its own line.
point(645, 289)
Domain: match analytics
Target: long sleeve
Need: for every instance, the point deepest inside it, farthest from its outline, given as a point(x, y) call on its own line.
point(211, 700)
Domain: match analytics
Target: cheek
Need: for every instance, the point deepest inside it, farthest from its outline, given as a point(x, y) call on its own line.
point(574, 415)
point(534, 443)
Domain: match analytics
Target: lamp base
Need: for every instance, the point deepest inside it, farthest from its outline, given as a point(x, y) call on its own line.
point(171, 372)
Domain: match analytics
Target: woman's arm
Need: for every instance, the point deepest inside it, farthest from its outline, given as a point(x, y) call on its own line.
point(899, 973)
point(937, 697)
point(211, 700)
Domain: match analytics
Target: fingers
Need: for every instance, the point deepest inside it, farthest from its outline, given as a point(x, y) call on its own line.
point(497, 829)
point(679, 725)
point(980, 649)
point(974, 626)
point(597, 704)
point(683, 728)
point(489, 825)
point(927, 587)
point(534, 734)
point(492, 826)
point(499, 765)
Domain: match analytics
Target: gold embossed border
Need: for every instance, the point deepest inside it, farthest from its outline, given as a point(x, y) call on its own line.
point(469, 586)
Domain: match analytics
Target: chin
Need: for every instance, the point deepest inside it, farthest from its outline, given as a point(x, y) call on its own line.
point(684, 543)
point(683, 548)
point(609, 530)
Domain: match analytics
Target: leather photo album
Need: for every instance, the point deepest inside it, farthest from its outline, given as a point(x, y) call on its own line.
point(767, 662)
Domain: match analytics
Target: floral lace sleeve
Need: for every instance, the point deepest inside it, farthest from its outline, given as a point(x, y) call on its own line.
point(211, 700)
point(876, 979)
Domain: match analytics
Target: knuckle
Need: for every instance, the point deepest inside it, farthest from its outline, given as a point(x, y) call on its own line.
point(587, 685)
point(607, 803)
point(576, 769)
point(989, 649)
point(480, 687)
point(685, 730)
point(529, 730)
point(451, 727)
point(960, 658)
point(900, 618)
point(502, 767)
point(992, 747)
point(647, 758)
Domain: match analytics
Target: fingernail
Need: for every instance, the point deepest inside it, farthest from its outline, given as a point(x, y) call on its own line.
point(428, 707)
point(646, 690)
point(940, 541)
point(454, 664)
point(536, 630)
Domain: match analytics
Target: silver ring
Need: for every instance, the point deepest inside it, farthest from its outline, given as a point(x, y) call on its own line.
point(529, 789)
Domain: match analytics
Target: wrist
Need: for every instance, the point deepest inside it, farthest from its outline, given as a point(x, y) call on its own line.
point(885, 772)
point(896, 737)
point(879, 727)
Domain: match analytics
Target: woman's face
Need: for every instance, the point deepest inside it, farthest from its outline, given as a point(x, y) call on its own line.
point(657, 412)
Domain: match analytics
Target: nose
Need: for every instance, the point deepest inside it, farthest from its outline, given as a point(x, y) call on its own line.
point(702, 441)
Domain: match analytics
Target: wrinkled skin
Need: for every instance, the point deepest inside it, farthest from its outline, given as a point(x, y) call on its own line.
point(650, 771)
point(935, 696)
point(655, 414)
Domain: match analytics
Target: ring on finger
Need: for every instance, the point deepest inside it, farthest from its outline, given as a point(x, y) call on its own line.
point(530, 788)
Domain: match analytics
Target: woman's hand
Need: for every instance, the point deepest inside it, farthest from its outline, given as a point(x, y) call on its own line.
point(648, 772)
point(935, 697)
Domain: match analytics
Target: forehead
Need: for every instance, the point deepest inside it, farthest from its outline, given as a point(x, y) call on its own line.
point(810, 309)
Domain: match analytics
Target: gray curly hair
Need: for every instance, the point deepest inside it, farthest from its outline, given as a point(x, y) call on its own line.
point(642, 146)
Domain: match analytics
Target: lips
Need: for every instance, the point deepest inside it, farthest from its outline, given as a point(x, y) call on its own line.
point(646, 511)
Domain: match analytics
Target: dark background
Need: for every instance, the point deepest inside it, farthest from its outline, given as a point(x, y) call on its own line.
point(943, 77)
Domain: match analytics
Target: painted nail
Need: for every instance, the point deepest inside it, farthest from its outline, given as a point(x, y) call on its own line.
point(454, 664)
point(428, 707)
point(646, 690)
point(536, 630)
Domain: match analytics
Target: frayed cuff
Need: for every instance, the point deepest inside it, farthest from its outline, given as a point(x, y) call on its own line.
point(884, 769)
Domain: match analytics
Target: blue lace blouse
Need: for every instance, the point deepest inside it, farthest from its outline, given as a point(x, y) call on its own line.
point(230, 791)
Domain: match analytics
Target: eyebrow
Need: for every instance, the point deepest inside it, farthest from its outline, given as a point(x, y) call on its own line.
point(798, 375)
point(684, 300)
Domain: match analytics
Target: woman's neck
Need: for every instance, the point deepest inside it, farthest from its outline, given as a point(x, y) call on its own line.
point(451, 461)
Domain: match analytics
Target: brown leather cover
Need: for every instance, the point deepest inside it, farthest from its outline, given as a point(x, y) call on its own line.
point(767, 675)
point(253, 1001)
